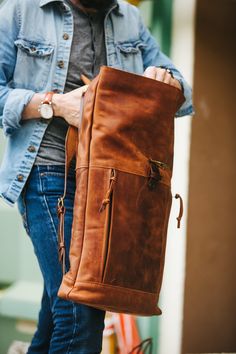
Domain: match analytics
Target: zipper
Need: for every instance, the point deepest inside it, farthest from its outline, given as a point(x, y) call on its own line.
point(107, 198)
point(160, 164)
point(107, 204)
point(155, 175)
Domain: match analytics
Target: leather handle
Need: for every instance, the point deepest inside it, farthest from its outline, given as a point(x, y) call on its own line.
point(85, 79)
point(71, 144)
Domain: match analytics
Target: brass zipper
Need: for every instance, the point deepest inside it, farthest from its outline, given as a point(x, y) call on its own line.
point(160, 164)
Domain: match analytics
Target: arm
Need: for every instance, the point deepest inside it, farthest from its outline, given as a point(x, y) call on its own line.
point(153, 57)
point(65, 105)
point(22, 104)
point(12, 101)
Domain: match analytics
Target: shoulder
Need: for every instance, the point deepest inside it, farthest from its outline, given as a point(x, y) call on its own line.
point(13, 13)
point(128, 10)
point(18, 4)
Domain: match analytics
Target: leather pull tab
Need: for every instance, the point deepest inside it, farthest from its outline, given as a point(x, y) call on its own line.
point(71, 144)
point(85, 79)
point(181, 209)
point(107, 198)
point(61, 238)
point(81, 110)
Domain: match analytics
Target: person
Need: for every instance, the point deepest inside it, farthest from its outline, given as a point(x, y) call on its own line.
point(45, 46)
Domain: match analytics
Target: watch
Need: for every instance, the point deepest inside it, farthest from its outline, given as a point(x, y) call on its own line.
point(45, 108)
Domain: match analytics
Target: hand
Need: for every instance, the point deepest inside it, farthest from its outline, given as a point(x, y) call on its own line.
point(68, 105)
point(162, 75)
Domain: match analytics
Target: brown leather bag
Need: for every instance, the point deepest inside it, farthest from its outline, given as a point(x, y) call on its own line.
point(123, 193)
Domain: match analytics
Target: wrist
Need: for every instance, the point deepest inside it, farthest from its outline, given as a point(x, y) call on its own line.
point(45, 107)
point(57, 104)
point(180, 84)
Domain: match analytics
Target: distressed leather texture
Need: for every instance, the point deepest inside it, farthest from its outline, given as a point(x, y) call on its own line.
point(123, 193)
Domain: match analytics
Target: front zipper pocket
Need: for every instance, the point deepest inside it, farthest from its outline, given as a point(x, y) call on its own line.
point(106, 205)
point(133, 236)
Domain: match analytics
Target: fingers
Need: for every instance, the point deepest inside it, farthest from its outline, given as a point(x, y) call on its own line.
point(155, 73)
point(175, 83)
point(84, 88)
point(80, 89)
point(85, 79)
point(78, 93)
point(159, 74)
point(168, 78)
point(150, 72)
point(163, 75)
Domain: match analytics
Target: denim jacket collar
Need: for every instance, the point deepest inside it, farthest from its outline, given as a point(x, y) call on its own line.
point(46, 2)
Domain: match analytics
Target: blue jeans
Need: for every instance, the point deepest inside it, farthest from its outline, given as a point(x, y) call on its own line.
point(63, 326)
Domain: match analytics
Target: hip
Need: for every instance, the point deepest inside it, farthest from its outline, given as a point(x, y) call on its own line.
point(39, 197)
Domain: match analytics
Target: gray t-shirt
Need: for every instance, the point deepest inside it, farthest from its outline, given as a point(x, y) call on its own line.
point(88, 53)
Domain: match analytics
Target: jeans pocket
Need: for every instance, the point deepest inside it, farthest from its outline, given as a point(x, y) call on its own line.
point(53, 182)
point(22, 210)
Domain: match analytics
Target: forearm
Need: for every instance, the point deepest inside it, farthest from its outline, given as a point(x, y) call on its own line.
point(31, 111)
point(152, 56)
point(66, 106)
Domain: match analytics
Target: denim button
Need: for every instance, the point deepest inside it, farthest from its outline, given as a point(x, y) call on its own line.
point(20, 178)
point(31, 148)
point(65, 36)
point(60, 64)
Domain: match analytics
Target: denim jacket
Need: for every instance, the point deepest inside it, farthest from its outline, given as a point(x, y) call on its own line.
point(35, 42)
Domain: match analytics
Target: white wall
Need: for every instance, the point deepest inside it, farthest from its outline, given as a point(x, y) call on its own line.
point(172, 293)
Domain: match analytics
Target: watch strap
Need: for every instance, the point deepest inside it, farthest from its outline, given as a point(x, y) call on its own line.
point(48, 98)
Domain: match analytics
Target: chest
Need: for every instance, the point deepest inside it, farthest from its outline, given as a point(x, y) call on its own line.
point(43, 55)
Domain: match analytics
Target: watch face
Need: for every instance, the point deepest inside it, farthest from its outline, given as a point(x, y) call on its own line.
point(46, 111)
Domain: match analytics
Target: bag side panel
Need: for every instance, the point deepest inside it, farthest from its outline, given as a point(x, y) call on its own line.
point(80, 201)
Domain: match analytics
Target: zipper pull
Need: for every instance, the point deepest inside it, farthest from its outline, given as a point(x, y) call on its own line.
point(60, 234)
point(107, 198)
point(181, 209)
point(160, 164)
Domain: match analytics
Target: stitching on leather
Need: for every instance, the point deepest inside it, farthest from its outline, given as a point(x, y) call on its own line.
point(125, 290)
point(78, 265)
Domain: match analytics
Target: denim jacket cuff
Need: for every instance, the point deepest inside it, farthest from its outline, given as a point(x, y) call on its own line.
point(187, 107)
point(14, 106)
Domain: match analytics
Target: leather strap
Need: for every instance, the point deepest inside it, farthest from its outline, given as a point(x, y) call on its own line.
point(48, 98)
point(181, 209)
point(85, 79)
point(71, 144)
